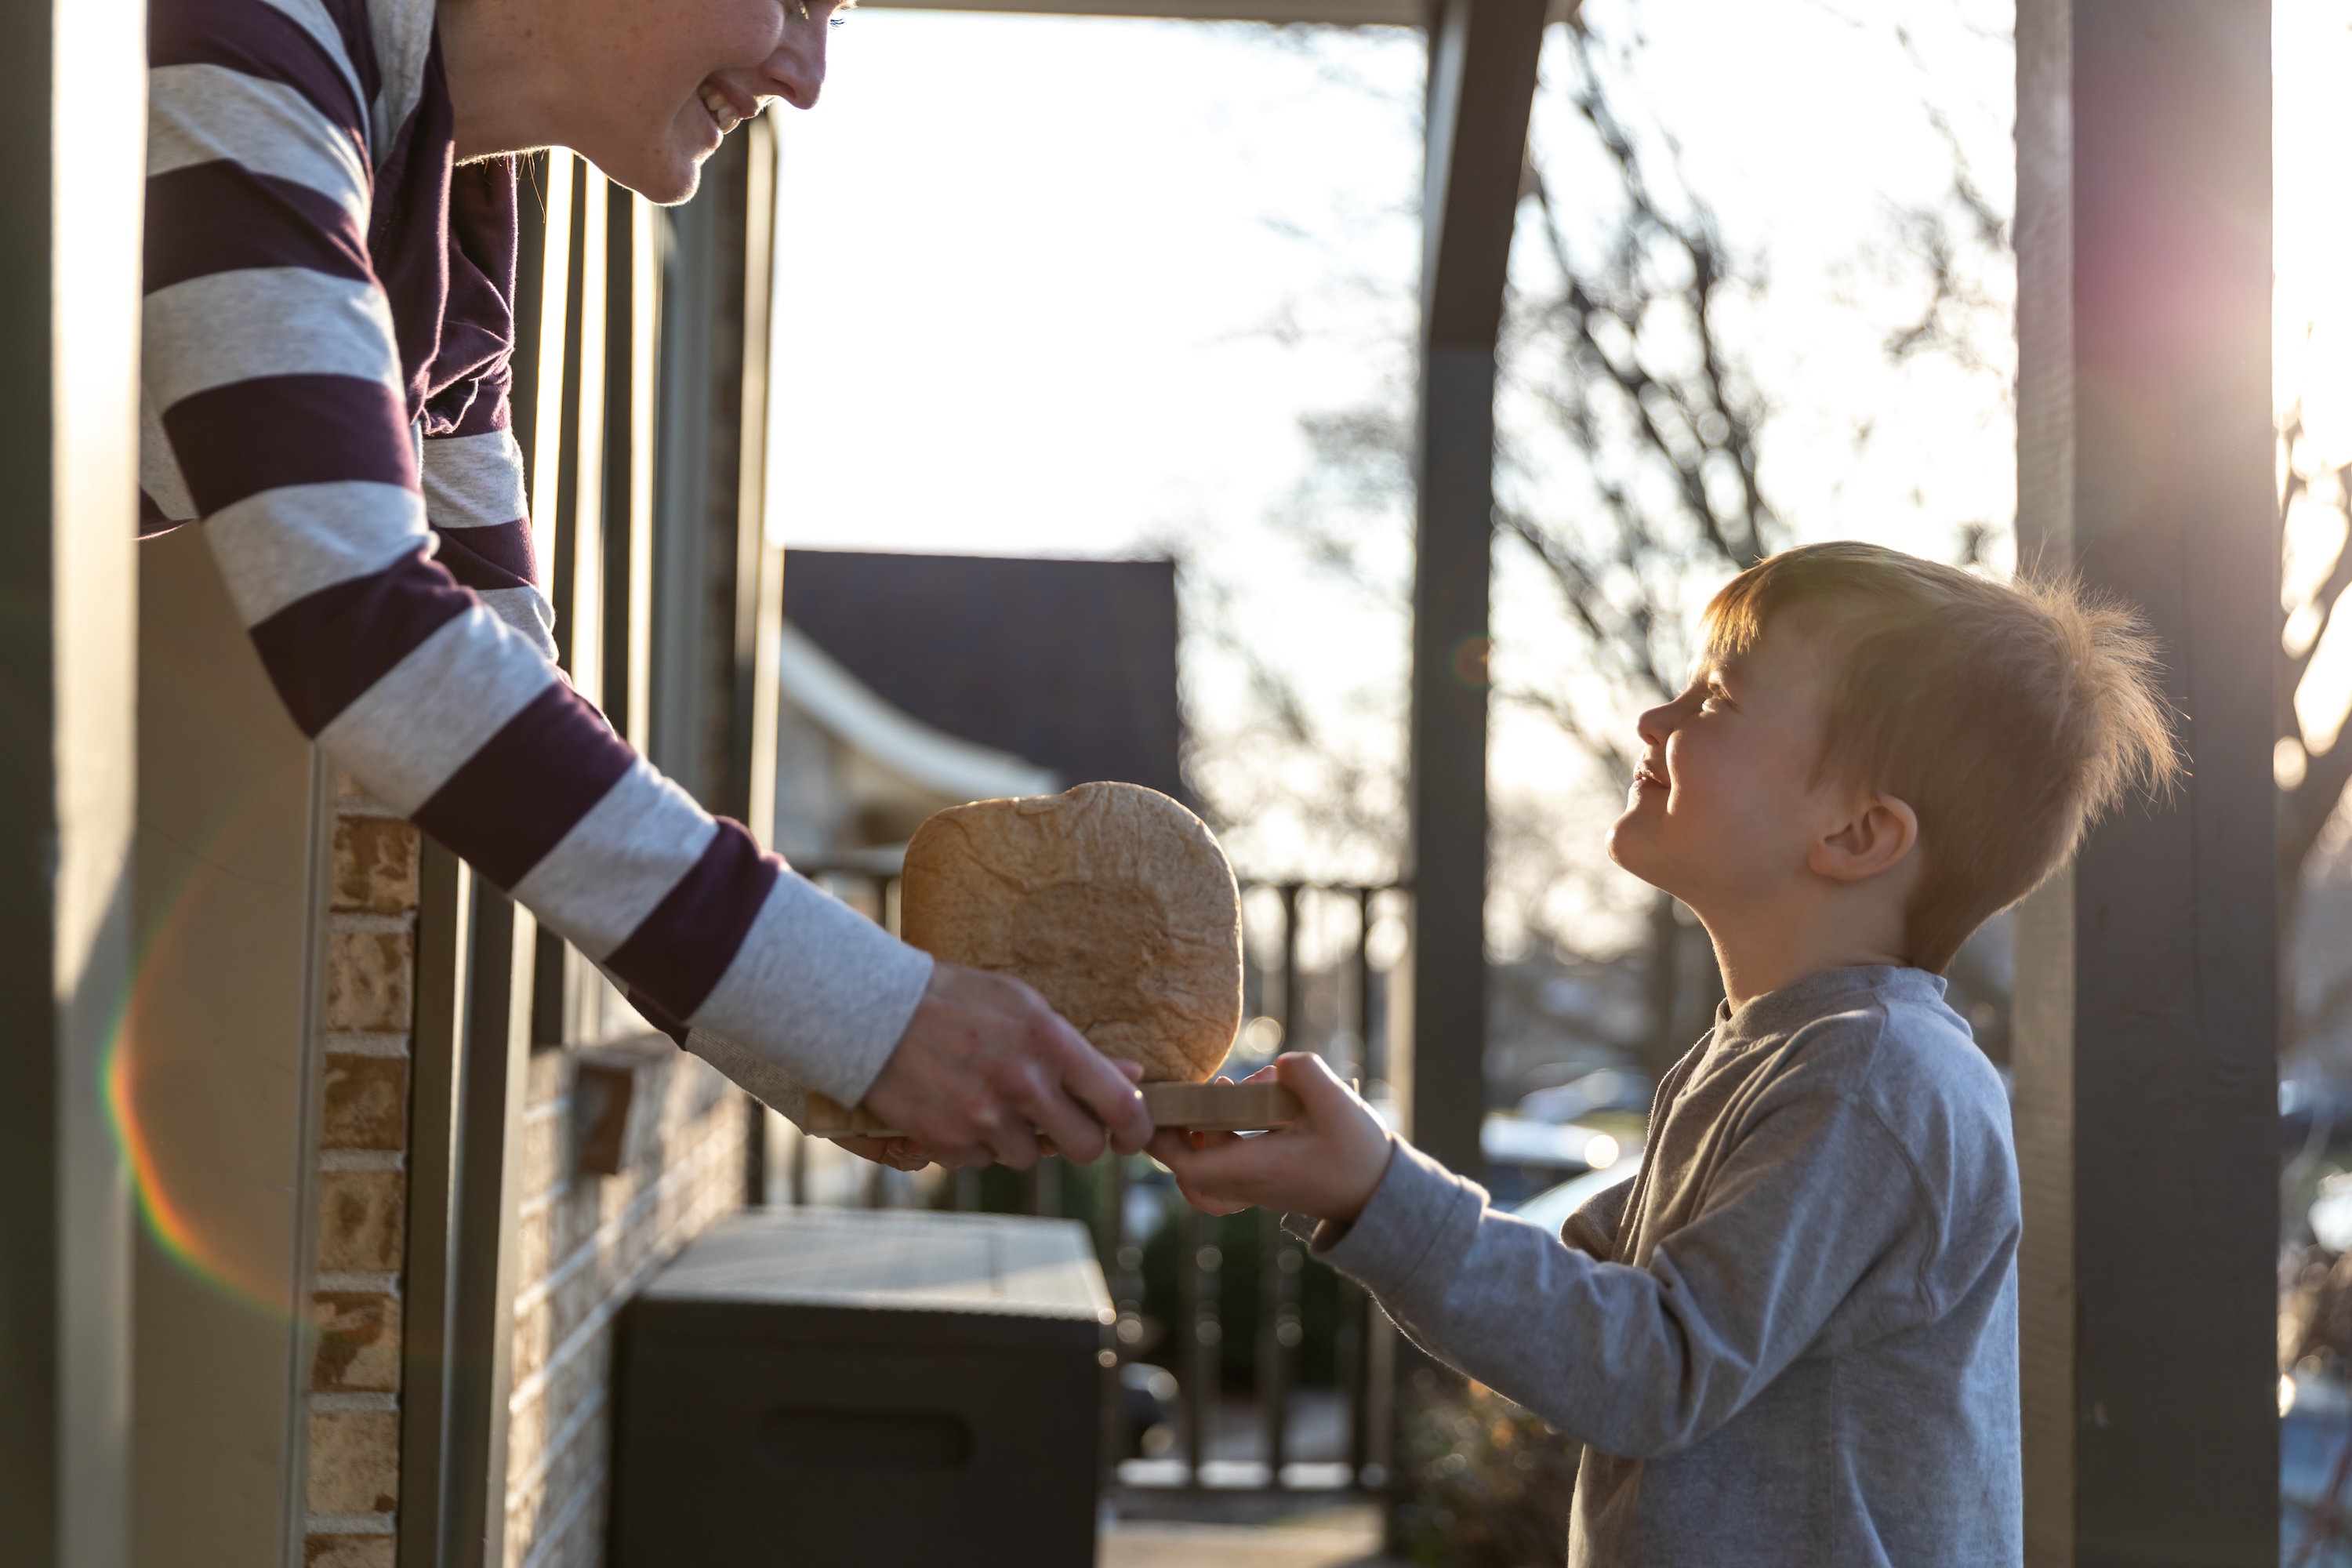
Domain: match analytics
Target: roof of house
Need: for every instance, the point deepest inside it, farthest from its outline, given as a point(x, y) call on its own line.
point(853, 712)
point(1068, 664)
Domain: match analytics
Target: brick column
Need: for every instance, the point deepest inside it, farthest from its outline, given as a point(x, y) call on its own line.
point(354, 1290)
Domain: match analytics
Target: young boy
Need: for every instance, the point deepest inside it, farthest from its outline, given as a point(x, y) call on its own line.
point(1793, 1338)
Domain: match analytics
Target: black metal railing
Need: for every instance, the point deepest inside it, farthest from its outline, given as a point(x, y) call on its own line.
point(1336, 1008)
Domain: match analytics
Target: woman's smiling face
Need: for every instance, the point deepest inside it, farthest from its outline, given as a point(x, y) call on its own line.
point(650, 87)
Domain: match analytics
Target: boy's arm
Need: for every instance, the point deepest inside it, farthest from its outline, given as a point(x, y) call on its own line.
point(1810, 1210)
point(1593, 1229)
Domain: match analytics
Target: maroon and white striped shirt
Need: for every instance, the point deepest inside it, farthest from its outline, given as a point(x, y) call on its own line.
point(328, 327)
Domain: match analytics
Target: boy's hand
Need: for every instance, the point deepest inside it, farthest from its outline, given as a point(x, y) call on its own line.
point(1325, 1164)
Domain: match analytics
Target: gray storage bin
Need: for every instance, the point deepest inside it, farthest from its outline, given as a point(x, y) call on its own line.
point(807, 1388)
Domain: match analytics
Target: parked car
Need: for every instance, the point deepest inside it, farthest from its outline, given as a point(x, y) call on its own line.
point(1551, 1208)
point(1608, 1089)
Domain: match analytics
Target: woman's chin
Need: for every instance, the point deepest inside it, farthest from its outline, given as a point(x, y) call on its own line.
point(664, 178)
point(677, 185)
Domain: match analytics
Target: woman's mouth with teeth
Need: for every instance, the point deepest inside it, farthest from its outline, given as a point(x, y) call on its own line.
point(721, 109)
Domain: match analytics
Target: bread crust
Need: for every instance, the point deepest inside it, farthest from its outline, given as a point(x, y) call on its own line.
point(1112, 899)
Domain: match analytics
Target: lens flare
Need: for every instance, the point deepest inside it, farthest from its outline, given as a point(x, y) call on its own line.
point(177, 1231)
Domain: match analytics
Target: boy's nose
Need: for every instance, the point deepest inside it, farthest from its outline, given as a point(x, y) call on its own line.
point(1655, 725)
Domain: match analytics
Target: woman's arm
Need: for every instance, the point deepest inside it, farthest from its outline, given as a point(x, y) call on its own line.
point(474, 500)
point(272, 372)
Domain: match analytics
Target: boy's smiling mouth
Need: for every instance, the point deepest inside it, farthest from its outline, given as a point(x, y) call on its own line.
point(1647, 777)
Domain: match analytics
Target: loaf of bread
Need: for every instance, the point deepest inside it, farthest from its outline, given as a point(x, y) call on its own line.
point(1112, 899)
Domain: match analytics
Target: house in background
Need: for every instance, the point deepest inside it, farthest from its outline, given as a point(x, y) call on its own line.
point(909, 683)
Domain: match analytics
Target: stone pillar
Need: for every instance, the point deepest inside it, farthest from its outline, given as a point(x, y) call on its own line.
point(353, 1382)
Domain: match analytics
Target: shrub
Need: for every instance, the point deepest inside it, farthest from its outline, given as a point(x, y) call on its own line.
point(1480, 1482)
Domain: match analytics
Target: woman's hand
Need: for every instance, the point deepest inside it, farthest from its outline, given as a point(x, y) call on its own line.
point(1327, 1163)
point(987, 1072)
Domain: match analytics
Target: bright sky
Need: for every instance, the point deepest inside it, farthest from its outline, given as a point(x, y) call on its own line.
point(1065, 286)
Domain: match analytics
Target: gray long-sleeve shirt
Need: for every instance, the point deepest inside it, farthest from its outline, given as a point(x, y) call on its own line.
point(1793, 1338)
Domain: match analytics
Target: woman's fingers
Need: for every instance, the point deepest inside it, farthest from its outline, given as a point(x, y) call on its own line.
point(985, 1065)
point(875, 1149)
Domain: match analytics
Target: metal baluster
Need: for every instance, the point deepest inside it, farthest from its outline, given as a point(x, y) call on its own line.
point(1198, 1266)
point(1353, 1365)
point(1279, 1261)
point(1278, 1337)
point(1376, 1414)
point(1044, 1181)
point(1108, 1228)
point(1380, 1399)
point(1355, 1305)
point(1185, 1333)
point(1123, 1255)
point(1374, 1057)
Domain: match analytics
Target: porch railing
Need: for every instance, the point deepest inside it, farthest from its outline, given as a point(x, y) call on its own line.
point(1337, 1008)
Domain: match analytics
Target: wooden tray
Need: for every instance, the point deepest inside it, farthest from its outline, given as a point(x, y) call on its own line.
point(1201, 1107)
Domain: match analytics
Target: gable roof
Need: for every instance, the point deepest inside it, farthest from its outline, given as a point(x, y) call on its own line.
point(1070, 665)
point(850, 711)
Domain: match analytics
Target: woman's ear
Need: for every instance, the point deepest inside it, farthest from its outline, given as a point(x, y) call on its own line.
point(1876, 838)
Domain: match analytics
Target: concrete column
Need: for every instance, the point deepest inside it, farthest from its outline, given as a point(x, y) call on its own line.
point(2146, 999)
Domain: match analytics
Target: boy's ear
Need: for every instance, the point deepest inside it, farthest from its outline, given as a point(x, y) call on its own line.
point(1874, 839)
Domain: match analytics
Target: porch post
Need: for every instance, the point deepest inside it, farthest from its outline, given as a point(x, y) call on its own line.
point(2146, 999)
point(1482, 78)
point(73, 186)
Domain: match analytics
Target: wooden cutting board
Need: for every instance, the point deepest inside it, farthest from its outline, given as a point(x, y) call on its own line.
point(1198, 1106)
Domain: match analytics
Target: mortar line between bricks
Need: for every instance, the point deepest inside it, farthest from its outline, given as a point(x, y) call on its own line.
point(350, 922)
point(603, 1312)
point(350, 1524)
point(542, 1199)
point(362, 1159)
point(590, 1247)
point(544, 1545)
point(364, 1043)
point(346, 1401)
point(356, 1282)
point(537, 1472)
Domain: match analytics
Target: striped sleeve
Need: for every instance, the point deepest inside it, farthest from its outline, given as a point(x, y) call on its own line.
point(272, 373)
point(475, 501)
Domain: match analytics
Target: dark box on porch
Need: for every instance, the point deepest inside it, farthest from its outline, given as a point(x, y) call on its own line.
point(830, 1387)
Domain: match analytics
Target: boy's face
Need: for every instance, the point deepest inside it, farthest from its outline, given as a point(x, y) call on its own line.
point(1725, 807)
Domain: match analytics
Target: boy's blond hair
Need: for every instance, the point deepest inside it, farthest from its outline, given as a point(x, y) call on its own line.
point(2008, 716)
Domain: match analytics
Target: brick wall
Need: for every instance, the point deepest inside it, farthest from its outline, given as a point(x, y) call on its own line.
point(586, 1244)
point(353, 1482)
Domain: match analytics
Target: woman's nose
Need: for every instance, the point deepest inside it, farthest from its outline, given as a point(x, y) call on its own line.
point(1654, 726)
point(795, 72)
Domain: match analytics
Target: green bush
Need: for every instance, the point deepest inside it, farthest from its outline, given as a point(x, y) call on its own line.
point(1480, 1483)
